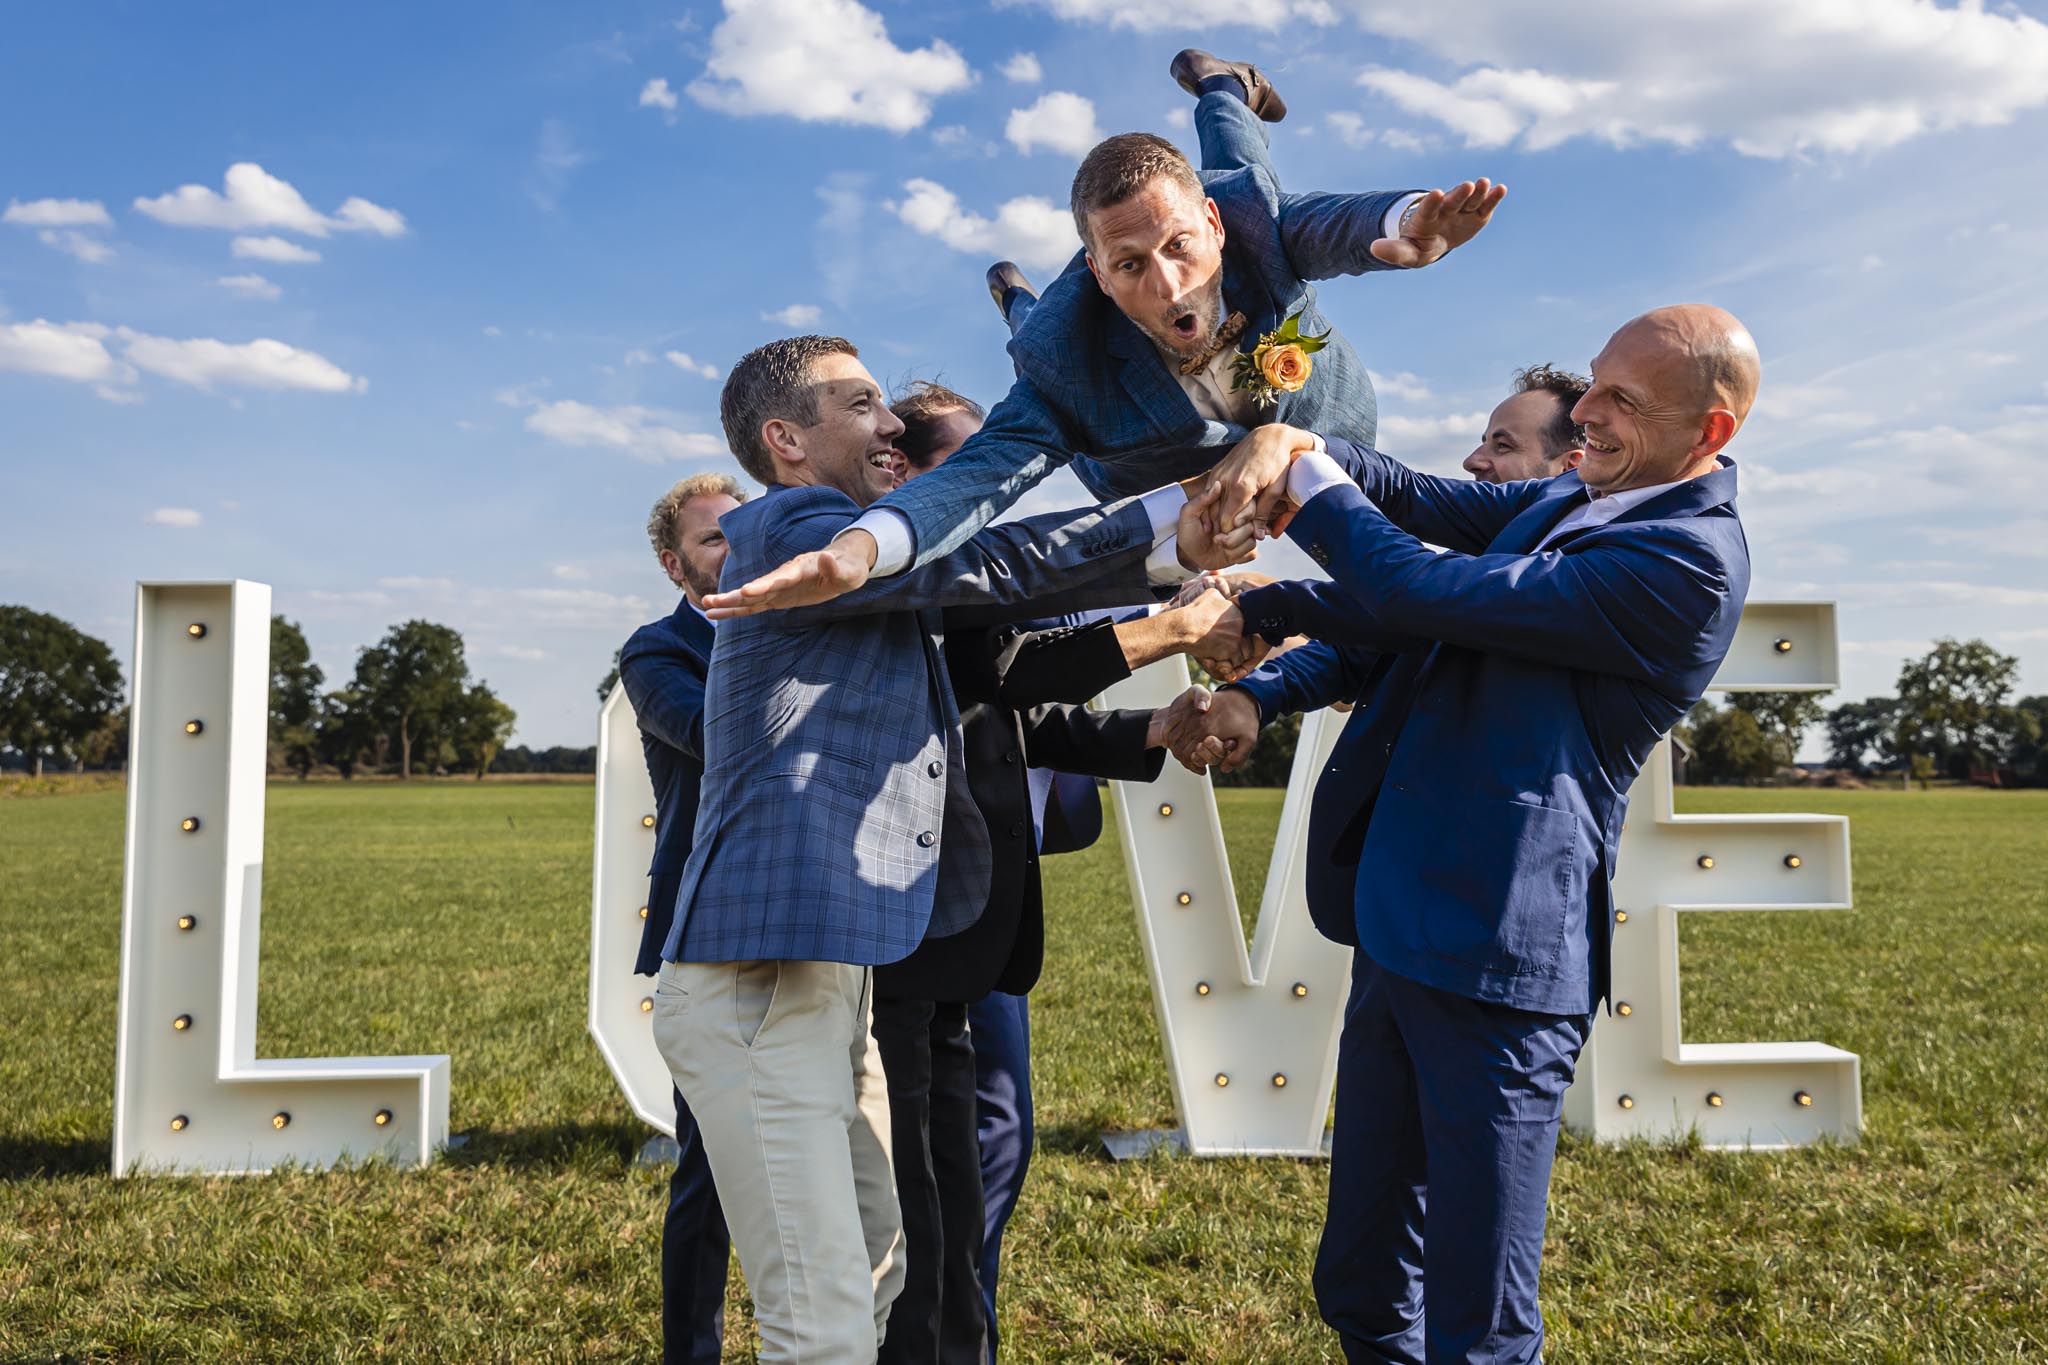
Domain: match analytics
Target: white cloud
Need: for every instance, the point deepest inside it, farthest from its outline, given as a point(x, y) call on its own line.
point(1059, 120)
point(174, 516)
point(491, 329)
point(638, 356)
point(1349, 128)
point(1147, 16)
point(643, 433)
point(1405, 386)
point(77, 244)
point(1031, 231)
point(556, 158)
point(1769, 78)
point(570, 573)
point(1024, 69)
point(71, 350)
point(682, 361)
point(251, 197)
point(656, 95)
point(204, 362)
point(276, 250)
point(1431, 444)
point(249, 286)
point(525, 653)
point(1180, 116)
point(796, 315)
point(828, 61)
point(57, 213)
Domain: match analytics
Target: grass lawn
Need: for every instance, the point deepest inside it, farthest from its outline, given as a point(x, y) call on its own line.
point(452, 917)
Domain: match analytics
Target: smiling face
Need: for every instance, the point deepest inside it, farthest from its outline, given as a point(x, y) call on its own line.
point(1517, 441)
point(850, 446)
point(694, 562)
point(1159, 257)
point(1669, 391)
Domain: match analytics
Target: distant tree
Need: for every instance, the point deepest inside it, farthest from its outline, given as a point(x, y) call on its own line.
point(1783, 717)
point(611, 679)
point(2029, 757)
point(1952, 705)
point(294, 697)
point(1857, 728)
point(414, 680)
point(345, 729)
point(1729, 745)
point(107, 747)
point(486, 725)
point(57, 685)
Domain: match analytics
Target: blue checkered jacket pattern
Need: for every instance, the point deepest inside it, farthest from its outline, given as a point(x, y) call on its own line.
point(834, 821)
point(1092, 390)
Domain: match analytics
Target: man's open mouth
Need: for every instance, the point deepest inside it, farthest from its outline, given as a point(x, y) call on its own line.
point(1185, 326)
point(1595, 443)
point(885, 458)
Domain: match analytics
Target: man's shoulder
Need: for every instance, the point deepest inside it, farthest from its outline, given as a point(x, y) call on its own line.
point(663, 636)
point(755, 530)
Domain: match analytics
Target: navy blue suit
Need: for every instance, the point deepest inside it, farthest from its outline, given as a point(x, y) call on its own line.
point(663, 667)
point(1463, 835)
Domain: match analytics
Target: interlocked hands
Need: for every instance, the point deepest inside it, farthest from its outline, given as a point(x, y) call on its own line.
point(1204, 728)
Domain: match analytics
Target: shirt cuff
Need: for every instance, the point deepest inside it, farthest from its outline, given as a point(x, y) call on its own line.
point(1390, 226)
point(1311, 473)
point(1163, 568)
point(1163, 506)
point(893, 543)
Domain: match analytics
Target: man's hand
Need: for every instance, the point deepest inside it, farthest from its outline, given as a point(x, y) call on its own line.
point(1201, 548)
point(803, 581)
point(1440, 221)
point(1179, 723)
point(1250, 483)
point(1228, 651)
point(1219, 730)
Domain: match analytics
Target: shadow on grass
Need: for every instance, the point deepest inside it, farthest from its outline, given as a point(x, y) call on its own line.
point(553, 1147)
point(26, 1157)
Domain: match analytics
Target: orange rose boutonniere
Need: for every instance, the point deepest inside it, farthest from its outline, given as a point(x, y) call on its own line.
point(1278, 364)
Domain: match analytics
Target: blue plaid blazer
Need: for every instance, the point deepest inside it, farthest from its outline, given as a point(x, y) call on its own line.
point(1092, 390)
point(832, 750)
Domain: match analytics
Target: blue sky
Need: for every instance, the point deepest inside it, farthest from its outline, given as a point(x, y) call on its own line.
point(543, 231)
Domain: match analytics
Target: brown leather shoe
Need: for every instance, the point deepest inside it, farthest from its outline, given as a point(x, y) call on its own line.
point(1002, 277)
point(1192, 66)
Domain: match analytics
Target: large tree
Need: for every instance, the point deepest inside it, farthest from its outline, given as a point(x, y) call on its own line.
point(1729, 745)
point(57, 685)
point(344, 730)
point(1952, 705)
point(1783, 717)
point(1857, 728)
point(486, 724)
point(414, 680)
point(294, 696)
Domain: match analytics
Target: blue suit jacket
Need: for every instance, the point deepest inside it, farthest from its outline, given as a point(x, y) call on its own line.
point(1093, 390)
point(1465, 829)
point(833, 758)
point(663, 667)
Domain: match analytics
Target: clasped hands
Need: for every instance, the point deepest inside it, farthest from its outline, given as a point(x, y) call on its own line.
point(1205, 728)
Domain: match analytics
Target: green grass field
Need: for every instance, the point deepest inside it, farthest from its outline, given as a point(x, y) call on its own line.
point(455, 918)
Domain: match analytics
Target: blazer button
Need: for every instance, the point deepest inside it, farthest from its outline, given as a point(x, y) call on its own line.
point(927, 839)
point(934, 768)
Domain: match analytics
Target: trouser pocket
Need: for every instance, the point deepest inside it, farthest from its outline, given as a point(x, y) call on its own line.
point(754, 989)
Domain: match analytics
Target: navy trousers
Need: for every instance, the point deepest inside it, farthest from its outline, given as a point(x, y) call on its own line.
point(1000, 1026)
point(1447, 1117)
point(695, 1252)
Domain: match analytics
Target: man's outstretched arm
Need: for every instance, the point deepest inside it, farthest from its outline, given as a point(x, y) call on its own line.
point(1327, 235)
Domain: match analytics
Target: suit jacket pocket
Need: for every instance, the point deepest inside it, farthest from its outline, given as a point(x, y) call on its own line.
point(1499, 882)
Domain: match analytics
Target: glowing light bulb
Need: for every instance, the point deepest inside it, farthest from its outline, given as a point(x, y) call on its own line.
point(1301, 990)
point(1201, 988)
point(1713, 1099)
point(190, 824)
point(1222, 1079)
point(197, 630)
point(193, 727)
point(647, 822)
point(643, 912)
point(1793, 860)
point(647, 1004)
point(179, 1123)
point(1802, 1099)
point(1621, 917)
point(280, 1120)
point(1623, 1008)
point(1166, 808)
point(382, 1118)
point(1782, 645)
point(1279, 1080)
point(1706, 862)
point(1628, 1101)
point(182, 1022)
point(1185, 899)
point(188, 921)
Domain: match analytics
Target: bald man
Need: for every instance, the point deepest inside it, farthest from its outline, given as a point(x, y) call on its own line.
point(1464, 833)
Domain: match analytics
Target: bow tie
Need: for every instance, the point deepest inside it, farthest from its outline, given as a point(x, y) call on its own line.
point(1226, 335)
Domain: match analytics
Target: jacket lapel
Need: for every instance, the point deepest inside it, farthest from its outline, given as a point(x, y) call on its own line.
point(1146, 379)
point(1522, 535)
point(695, 630)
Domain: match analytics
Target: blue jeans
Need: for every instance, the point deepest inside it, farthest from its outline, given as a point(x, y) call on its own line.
point(1000, 1026)
point(1447, 1113)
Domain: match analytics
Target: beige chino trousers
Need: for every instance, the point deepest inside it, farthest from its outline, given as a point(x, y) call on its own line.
point(777, 1063)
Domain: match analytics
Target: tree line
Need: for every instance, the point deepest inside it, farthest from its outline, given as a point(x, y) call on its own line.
point(411, 706)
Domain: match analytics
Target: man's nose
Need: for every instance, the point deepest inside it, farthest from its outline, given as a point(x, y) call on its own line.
point(890, 425)
point(1474, 465)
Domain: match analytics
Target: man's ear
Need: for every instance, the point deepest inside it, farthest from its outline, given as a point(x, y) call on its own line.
point(1571, 459)
point(1717, 429)
point(1096, 271)
point(784, 439)
point(1215, 217)
point(672, 565)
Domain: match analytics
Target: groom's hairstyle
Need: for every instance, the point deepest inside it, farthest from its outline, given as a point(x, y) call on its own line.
point(1121, 166)
point(919, 408)
point(1561, 433)
point(773, 381)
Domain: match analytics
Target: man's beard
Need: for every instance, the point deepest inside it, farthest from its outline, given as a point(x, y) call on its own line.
point(1207, 307)
point(701, 585)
